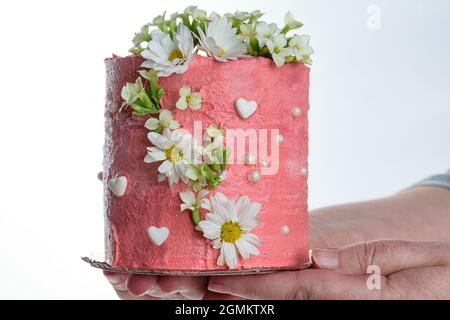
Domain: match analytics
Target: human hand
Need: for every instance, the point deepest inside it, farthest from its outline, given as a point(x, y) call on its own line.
point(145, 287)
point(409, 270)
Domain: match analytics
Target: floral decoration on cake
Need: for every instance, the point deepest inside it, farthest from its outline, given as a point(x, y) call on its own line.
point(168, 45)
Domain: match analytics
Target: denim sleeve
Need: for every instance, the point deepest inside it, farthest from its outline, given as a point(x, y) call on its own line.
point(440, 180)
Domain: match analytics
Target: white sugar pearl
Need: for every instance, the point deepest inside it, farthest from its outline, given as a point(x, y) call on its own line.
point(111, 106)
point(254, 177)
point(304, 171)
point(296, 112)
point(100, 176)
point(109, 130)
point(250, 159)
point(284, 229)
point(280, 138)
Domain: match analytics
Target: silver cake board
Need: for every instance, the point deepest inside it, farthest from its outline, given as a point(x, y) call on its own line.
point(107, 267)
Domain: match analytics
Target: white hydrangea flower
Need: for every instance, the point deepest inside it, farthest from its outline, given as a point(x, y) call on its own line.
point(189, 99)
point(176, 150)
point(301, 47)
point(265, 32)
point(247, 31)
point(290, 22)
point(229, 224)
point(167, 55)
point(220, 40)
point(277, 47)
point(165, 121)
point(213, 15)
point(193, 202)
point(213, 144)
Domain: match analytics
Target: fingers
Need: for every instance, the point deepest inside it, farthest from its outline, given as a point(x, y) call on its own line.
point(139, 285)
point(297, 285)
point(219, 296)
point(190, 287)
point(117, 280)
point(389, 255)
point(419, 284)
point(145, 287)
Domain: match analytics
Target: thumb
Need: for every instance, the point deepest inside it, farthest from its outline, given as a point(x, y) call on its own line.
point(389, 255)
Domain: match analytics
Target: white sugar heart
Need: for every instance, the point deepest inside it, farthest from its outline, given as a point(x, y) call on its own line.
point(118, 185)
point(158, 235)
point(245, 108)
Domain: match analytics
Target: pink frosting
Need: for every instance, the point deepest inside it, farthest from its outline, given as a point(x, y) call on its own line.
point(283, 197)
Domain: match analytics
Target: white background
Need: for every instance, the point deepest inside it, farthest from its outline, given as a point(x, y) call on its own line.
point(380, 118)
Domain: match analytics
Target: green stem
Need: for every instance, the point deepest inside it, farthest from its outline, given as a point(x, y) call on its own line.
point(195, 216)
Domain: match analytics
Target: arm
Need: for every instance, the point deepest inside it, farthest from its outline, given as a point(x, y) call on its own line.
point(418, 213)
point(421, 213)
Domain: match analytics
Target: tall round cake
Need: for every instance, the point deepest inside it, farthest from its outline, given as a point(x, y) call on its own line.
point(206, 155)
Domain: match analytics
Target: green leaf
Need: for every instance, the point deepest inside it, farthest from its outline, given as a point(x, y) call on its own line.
point(145, 74)
point(144, 98)
point(226, 155)
point(136, 50)
point(139, 109)
point(216, 166)
point(254, 44)
point(160, 93)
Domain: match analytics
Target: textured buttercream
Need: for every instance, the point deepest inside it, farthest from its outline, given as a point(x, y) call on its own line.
point(145, 203)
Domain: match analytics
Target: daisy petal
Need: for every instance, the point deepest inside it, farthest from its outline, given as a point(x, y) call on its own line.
point(210, 230)
point(246, 248)
point(251, 238)
point(158, 140)
point(155, 156)
point(230, 254)
point(221, 259)
point(165, 167)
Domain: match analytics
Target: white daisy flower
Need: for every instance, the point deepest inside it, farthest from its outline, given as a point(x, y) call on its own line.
point(165, 121)
point(277, 47)
point(167, 55)
point(228, 225)
point(265, 32)
point(221, 41)
point(189, 99)
point(176, 150)
point(193, 202)
point(301, 47)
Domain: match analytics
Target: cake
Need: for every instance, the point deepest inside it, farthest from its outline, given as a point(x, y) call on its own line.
point(206, 147)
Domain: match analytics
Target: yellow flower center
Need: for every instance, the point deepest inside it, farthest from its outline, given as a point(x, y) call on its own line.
point(222, 52)
point(174, 154)
point(175, 54)
point(230, 232)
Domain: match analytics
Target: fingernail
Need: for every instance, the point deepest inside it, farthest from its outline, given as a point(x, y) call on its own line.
point(326, 258)
point(217, 287)
point(113, 278)
point(138, 286)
